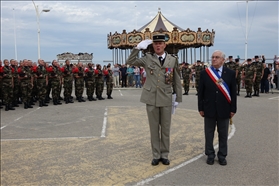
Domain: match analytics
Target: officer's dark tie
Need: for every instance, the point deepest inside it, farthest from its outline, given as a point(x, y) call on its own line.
point(161, 60)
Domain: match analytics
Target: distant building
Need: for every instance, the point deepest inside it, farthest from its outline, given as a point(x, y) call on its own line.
point(74, 58)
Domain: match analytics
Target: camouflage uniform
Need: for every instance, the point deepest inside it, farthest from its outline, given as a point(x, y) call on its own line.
point(79, 84)
point(231, 65)
point(99, 83)
point(34, 88)
point(41, 75)
point(26, 85)
point(109, 84)
point(259, 68)
point(238, 78)
point(7, 87)
point(90, 84)
point(249, 74)
point(198, 69)
point(68, 83)
point(186, 79)
point(55, 85)
point(16, 86)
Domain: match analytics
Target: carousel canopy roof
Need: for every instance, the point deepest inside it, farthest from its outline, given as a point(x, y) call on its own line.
point(159, 22)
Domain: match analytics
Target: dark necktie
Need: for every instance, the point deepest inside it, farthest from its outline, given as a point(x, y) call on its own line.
point(161, 60)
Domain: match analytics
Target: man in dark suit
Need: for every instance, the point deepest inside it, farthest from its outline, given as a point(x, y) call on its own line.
point(217, 104)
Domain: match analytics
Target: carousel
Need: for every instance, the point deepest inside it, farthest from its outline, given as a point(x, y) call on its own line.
point(186, 44)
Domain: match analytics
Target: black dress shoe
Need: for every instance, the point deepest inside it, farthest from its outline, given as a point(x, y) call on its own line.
point(210, 161)
point(155, 162)
point(222, 162)
point(165, 161)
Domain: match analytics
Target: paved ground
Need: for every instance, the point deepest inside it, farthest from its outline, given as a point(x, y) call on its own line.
point(107, 143)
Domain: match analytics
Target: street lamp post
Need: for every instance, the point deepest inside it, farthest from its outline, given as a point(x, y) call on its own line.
point(38, 23)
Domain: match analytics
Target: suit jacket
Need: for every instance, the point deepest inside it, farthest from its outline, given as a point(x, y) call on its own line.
point(155, 90)
point(211, 100)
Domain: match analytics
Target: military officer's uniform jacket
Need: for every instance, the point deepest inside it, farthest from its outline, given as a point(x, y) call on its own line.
point(157, 89)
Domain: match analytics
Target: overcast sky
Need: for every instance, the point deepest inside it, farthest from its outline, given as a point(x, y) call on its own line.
point(74, 26)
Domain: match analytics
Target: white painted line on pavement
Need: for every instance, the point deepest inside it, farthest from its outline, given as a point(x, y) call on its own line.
point(120, 92)
point(146, 181)
point(20, 118)
point(274, 97)
point(3, 127)
point(103, 135)
point(62, 138)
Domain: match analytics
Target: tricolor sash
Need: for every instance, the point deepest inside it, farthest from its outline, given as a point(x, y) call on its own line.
point(220, 83)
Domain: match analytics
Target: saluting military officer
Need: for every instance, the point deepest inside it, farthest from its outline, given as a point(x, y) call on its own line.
point(250, 76)
point(186, 74)
point(162, 74)
point(259, 68)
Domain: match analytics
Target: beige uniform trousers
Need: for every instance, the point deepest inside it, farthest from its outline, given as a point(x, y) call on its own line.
point(159, 122)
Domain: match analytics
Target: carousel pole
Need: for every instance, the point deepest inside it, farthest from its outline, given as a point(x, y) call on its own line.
point(191, 55)
point(195, 54)
point(201, 53)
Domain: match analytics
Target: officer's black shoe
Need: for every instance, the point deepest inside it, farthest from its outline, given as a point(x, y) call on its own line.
point(40, 103)
point(165, 161)
point(44, 104)
point(210, 161)
point(222, 162)
point(155, 162)
point(25, 106)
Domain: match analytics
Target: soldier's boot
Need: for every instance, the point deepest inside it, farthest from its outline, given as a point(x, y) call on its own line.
point(79, 99)
point(40, 103)
point(254, 93)
point(29, 104)
point(66, 100)
point(15, 104)
point(93, 99)
point(7, 107)
point(58, 102)
point(89, 98)
point(83, 100)
point(11, 107)
point(247, 95)
point(60, 98)
point(25, 105)
point(185, 93)
point(250, 96)
point(54, 101)
point(70, 100)
point(44, 104)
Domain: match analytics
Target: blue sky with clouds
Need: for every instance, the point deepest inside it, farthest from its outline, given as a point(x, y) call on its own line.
point(82, 26)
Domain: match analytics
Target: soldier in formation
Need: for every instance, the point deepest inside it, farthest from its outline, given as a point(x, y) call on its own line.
point(259, 73)
point(90, 82)
point(249, 72)
point(109, 75)
point(198, 68)
point(186, 74)
point(79, 81)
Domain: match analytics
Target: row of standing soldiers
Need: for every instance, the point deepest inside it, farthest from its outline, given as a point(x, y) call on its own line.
point(250, 72)
point(28, 83)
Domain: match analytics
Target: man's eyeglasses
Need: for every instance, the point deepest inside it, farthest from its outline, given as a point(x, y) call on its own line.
point(216, 57)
